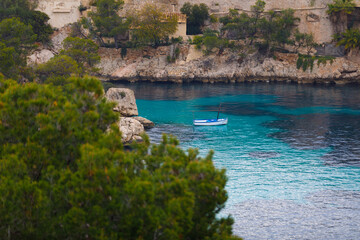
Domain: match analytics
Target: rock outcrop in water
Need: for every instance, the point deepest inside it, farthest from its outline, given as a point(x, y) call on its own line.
point(151, 65)
point(145, 122)
point(130, 125)
point(131, 129)
point(125, 101)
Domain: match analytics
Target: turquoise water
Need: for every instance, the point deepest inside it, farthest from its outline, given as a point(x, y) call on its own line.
point(292, 153)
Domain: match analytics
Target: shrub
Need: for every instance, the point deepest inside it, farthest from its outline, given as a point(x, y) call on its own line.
point(350, 39)
point(304, 40)
point(213, 19)
point(177, 40)
point(82, 8)
point(83, 51)
point(123, 52)
point(196, 16)
point(152, 26)
point(59, 66)
point(347, 6)
point(306, 61)
point(65, 174)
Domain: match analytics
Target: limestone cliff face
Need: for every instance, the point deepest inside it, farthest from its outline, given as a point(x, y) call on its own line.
point(152, 65)
point(45, 53)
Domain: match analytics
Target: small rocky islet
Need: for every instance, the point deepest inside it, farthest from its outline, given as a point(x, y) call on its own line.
point(130, 124)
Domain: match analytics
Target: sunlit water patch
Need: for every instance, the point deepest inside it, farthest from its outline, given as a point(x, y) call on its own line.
point(291, 152)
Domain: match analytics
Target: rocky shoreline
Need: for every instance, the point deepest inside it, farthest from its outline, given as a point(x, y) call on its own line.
point(130, 124)
point(192, 66)
point(152, 65)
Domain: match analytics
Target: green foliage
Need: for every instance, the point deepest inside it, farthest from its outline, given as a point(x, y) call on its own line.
point(77, 58)
point(285, 22)
point(16, 43)
point(123, 52)
point(213, 19)
point(16, 34)
point(349, 39)
point(211, 40)
point(347, 6)
point(65, 175)
point(307, 61)
point(83, 51)
point(195, 17)
point(106, 22)
point(38, 20)
point(77, 30)
point(258, 8)
point(198, 41)
point(57, 119)
point(82, 8)
point(275, 29)
point(304, 40)
point(338, 12)
point(24, 10)
point(177, 52)
point(267, 30)
point(7, 61)
point(239, 26)
point(177, 40)
point(59, 66)
point(150, 25)
point(170, 59)
point(174, 57)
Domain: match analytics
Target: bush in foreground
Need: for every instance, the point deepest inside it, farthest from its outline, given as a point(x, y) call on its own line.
point(65, 175)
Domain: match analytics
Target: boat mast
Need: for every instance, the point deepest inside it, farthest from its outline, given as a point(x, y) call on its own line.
point(218, 112)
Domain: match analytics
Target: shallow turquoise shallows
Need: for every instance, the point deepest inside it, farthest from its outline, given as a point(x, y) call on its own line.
point(292, 152)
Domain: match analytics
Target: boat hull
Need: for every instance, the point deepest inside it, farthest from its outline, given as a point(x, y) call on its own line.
point(210, 122)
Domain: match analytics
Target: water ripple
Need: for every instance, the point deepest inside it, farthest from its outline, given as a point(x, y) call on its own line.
point(327, 215)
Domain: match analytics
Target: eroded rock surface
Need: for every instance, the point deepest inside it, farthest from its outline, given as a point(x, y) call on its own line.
point(131, 129)
point(145, 122)
point(125, 101)
point(152, 65)
point(45, 53)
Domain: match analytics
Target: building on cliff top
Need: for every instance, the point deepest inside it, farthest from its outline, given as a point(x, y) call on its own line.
point(312, 13)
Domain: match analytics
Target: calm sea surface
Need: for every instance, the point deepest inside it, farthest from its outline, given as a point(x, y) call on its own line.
point(292, 152)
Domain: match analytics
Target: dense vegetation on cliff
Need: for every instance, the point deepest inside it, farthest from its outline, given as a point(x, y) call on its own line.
point(196, 16)
point(64, 173)
point(24, 10)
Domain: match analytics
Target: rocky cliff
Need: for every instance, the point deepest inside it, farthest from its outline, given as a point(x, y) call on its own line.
point(130, 124)
point(151, 65)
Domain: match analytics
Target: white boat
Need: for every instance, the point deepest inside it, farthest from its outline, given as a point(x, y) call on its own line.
point(210, 122)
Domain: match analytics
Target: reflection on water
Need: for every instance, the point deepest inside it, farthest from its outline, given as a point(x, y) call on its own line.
point(312, 131)
point(288, 95)
point(213, 129)
point(182, 132)
point(291, 152)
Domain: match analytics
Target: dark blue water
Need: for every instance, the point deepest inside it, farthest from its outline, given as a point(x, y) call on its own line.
point(292, 152)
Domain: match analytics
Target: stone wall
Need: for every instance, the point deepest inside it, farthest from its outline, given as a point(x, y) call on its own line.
point(167, 5)
point(61, 12)
point(312, 13)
